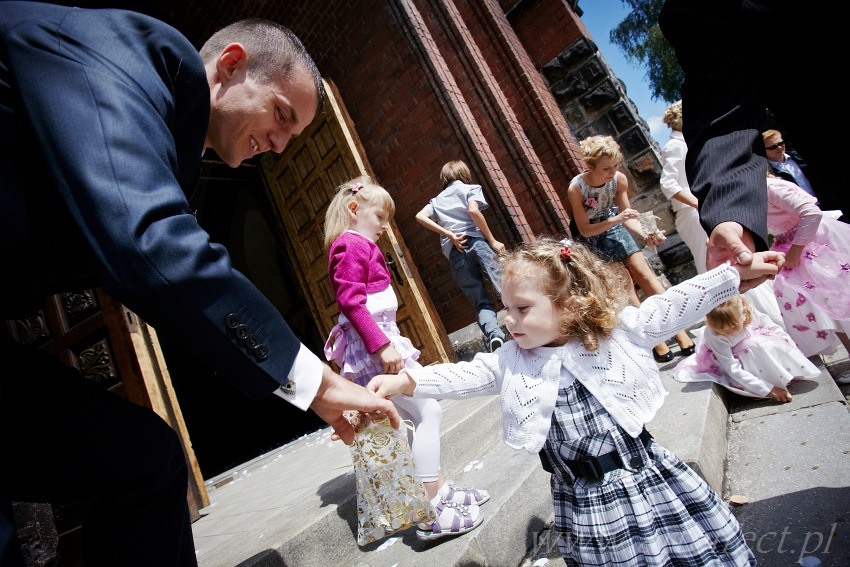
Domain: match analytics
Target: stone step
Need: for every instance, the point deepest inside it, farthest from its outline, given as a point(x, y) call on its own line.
point(296, 505)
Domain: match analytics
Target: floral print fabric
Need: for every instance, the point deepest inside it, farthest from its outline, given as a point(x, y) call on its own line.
point(390, 495)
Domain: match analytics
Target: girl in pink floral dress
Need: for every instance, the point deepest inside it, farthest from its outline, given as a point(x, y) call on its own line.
point(812, 287)
point(744, 351)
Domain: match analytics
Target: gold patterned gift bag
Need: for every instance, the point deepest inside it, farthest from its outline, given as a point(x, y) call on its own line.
point(390, 495)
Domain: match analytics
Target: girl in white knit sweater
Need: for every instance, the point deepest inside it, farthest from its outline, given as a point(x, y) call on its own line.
point(577, 384)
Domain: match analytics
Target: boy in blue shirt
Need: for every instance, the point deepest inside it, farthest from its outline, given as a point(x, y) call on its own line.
point(456, 215)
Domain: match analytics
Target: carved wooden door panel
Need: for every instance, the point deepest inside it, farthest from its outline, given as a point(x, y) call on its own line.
point(300, 184)
point(111, 346)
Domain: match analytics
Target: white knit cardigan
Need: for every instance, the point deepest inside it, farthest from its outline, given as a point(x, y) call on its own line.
point(622, 374)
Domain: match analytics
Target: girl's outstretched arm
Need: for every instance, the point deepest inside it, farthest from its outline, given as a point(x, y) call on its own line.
point(386, 385)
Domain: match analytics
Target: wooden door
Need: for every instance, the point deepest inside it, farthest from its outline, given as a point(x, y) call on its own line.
point(300, 184)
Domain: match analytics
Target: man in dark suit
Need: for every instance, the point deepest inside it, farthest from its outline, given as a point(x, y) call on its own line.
point(724, 48)
point(104, 117)
point(785, 162)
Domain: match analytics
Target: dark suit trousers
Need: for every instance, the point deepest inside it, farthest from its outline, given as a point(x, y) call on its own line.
point(64, 439)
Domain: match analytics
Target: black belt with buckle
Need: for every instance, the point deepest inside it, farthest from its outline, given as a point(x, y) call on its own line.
point(594, 468)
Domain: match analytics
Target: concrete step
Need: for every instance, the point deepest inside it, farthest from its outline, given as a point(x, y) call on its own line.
point(296, 506)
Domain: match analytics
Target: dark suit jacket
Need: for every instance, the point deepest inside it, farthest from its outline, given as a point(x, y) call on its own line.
point(804, 166)
point(725, 49)
point(103, 115)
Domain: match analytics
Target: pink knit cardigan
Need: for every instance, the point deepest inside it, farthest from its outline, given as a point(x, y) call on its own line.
point(356, 267)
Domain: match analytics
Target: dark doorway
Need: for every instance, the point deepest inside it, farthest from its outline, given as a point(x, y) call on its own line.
point(226, 428)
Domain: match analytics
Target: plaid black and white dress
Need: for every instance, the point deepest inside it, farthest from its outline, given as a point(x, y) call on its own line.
point(659, 514)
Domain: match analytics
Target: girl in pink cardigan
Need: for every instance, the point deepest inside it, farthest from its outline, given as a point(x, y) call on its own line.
point(366, 341)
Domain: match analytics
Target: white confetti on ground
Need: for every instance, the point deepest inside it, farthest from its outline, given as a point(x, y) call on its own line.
point(540, 562)
point(388, 543)
point(473, 466)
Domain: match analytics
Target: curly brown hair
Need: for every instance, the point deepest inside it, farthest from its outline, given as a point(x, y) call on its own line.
point(588, 290)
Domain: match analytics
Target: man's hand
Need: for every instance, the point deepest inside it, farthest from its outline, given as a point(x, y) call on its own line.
point(337, 394)
point(729, 241)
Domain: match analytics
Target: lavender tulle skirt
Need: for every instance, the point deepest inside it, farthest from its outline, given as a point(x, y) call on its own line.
point(346, 349)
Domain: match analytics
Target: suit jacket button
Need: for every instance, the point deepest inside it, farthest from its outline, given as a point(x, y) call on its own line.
point(251, 342)
point(232, 320)
point(261, 352)
point(242, 331)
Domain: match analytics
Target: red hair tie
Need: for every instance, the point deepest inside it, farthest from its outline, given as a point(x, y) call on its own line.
point(566, 254)
point(356, 187)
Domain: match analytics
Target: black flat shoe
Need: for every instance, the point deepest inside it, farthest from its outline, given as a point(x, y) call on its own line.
point(667, 357)
point(687, 351)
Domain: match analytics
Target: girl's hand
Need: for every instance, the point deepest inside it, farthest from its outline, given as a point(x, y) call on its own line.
point(792, 257)
point(656, 238)
point(387, 385)
point(626, 215)
point(390, 359)
point(497, 247)
point(780, 394)
point(764, 266)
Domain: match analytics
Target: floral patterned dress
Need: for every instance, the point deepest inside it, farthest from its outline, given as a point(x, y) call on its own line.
point(812, 297)
point(750, 362)
point(616, 243)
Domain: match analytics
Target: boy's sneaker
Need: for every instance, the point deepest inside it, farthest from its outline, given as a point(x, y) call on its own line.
point(495, 343)
point(843, 379)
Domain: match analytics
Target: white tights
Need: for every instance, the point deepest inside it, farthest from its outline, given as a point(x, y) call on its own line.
point(426, 415)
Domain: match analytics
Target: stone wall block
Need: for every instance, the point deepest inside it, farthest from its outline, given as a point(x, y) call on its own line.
point(578, 52)
point(554, 71)
point(621, 117)
point(601, 96)
point(569, 88)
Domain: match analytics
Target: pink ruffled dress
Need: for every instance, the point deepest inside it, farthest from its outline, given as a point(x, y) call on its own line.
point(813, 298)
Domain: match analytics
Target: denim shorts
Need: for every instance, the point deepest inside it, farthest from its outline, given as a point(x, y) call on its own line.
point(614, 244)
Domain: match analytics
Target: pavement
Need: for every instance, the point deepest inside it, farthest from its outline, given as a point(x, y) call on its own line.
point(296, 506)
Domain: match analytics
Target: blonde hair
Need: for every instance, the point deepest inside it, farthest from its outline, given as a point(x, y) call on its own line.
point(596, 148)
point(367, 194)
point(731, 314)
point(768, 133)
point(455, 171)
point(589, 291)
point(673, 116)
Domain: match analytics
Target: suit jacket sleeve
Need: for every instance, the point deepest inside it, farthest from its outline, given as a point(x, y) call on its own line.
point(722, 116)
point(120, 109)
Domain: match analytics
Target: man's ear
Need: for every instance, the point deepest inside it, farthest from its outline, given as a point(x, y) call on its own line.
point(352, 209)
point(231, 62)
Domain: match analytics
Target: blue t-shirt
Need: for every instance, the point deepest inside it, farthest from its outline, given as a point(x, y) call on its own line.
point(450, 210)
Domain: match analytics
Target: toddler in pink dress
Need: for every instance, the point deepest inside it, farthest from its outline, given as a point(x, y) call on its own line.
point(744, 351)
point(812, 287)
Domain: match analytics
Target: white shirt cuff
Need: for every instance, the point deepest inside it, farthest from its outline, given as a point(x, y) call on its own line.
point(308, 370)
